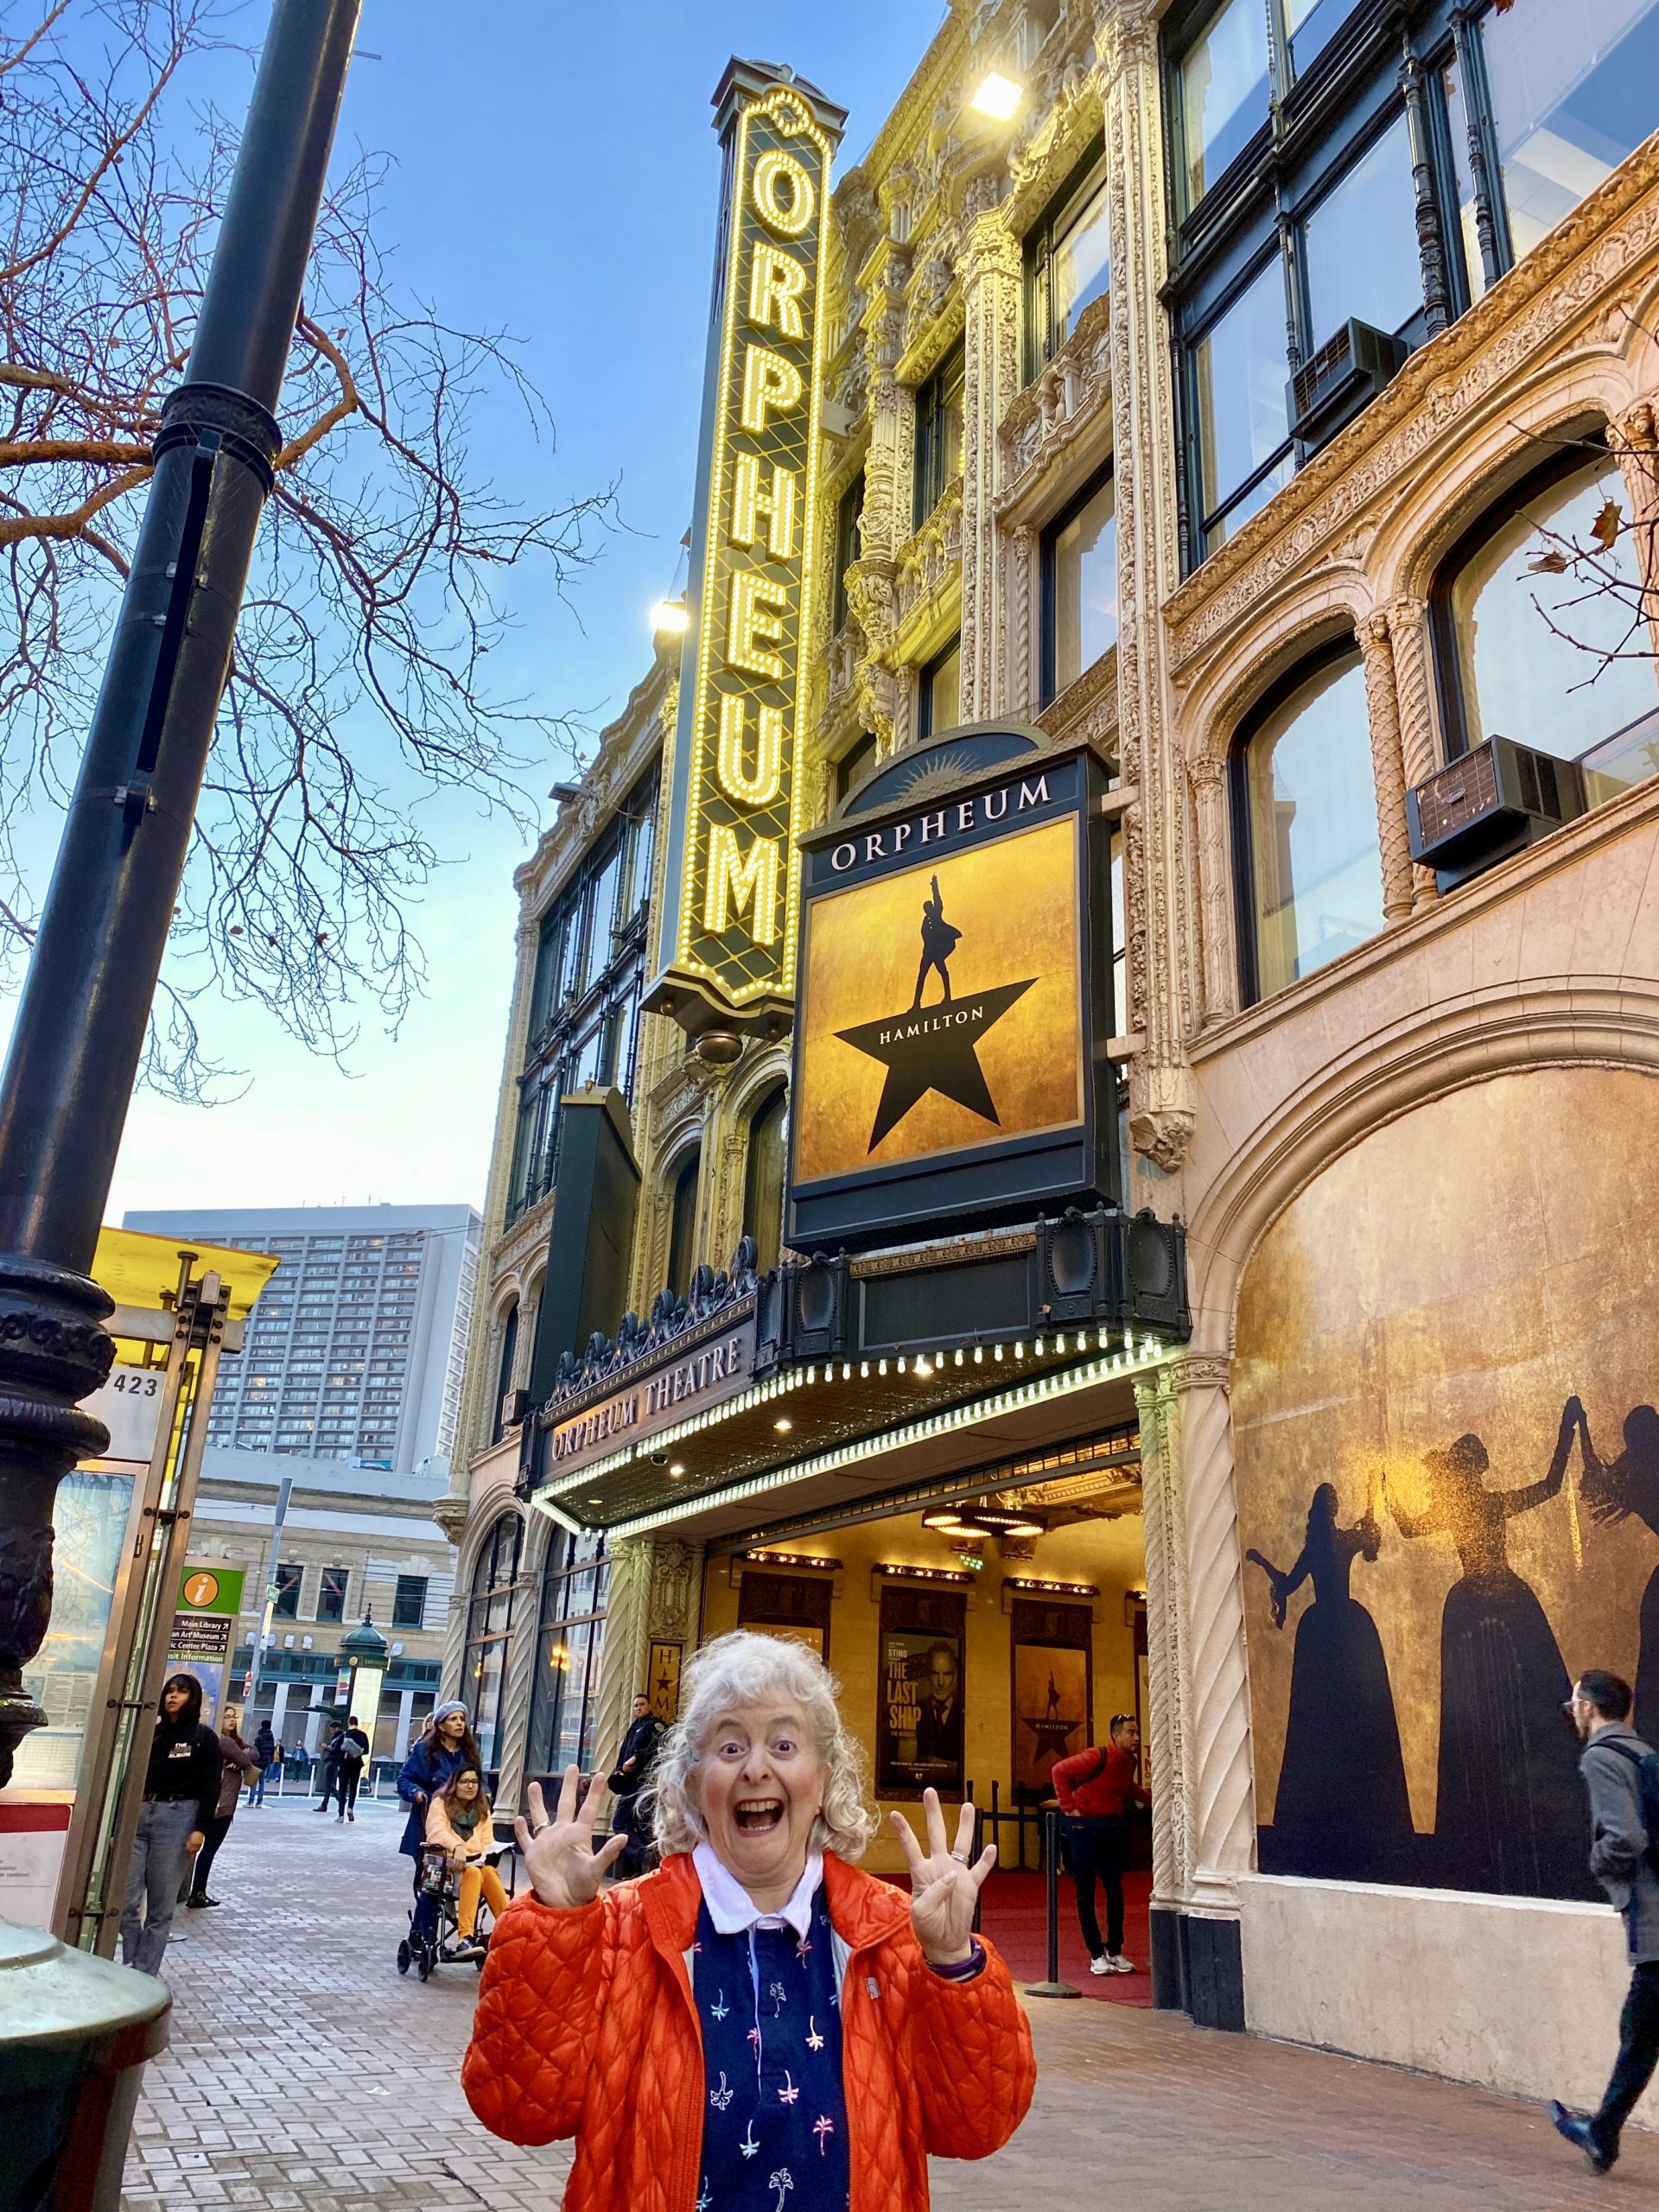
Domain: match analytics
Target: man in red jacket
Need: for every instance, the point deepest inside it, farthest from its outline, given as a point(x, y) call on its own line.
point(1096, 1788)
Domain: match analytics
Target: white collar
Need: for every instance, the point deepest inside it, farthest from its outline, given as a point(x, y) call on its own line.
point(733, 1911)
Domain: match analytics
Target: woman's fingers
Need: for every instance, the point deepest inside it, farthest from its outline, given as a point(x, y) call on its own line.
point(590, 1802)
point(964, 1843)
point(536, 1805)
point(983, 1866)
point(935, 1812)
point(906, 1836)
point(569, 1783)
point(611, 1851)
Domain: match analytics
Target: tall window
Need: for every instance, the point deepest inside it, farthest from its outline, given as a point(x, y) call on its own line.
point(763, 1178)
point(849, 542)
point(504, 1371)
point(1079, 572)
point(564, 1698)
point(1068, 261)
point(1373, 174)
point(1309, 872)
point(682, 1225)
point(856, 763)
point(585, 994)
point(1537, 657)
point(330, 1594)
point(290, 1575)
point(938, 435)
point(408, 1601)
point(939, 692)
point(489, 1633)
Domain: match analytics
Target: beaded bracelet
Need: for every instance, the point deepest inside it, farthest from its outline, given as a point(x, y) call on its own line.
point(963, 1969)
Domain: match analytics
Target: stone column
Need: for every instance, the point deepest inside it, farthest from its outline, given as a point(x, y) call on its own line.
point(1159, 920)
point(656, 1591)
point(990, 291)
point(1408, 627)
point(1207, 776)
point(1388, 766)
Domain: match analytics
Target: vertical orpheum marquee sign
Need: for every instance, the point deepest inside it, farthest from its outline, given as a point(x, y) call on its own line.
point(727, 955)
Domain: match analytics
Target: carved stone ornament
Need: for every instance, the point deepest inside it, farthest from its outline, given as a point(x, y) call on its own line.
point(669, 1606)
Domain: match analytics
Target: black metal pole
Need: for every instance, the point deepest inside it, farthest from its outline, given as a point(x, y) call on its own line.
point(80, 1025)
point(1053, 1986)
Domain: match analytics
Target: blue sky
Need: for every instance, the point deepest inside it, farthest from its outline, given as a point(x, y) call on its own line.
point(556, 178)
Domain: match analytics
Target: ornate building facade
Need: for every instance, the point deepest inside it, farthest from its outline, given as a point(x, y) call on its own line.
point(1268, 403)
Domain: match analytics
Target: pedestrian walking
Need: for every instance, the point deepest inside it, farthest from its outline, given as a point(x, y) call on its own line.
point(238, 1759)
point(742, 2023)
point(181, 1780)
point(1097, 1789)
point(630, 1816)
point(460, 1821)
point(353, 1760)
point(267, 1754)
point(328, 1767)
point(1622, 1776)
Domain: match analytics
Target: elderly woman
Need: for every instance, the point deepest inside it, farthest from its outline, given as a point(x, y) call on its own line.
point(757, 2023)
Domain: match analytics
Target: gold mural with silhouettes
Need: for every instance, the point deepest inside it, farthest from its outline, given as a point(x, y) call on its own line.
point(1448, 1470)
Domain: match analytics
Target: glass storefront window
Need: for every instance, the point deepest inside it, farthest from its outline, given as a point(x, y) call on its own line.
point(1223, 93)
point(564, 1698)
point(1361, 244)
point(1305, 781)
point(1575, 88)
point(1549, 660)
point(1240, 373)
point(1080, 588)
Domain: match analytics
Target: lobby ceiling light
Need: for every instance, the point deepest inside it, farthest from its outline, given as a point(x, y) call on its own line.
point(783, 1425)
point(999, 97)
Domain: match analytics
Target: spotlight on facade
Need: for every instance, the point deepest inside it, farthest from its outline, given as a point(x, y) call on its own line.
point(997, 97)
point(783, 1426)
point(668, 618)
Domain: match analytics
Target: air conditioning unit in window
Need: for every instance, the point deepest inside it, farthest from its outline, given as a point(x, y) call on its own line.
point(514, 1404)
point(1341, 380)
point(1494, 800)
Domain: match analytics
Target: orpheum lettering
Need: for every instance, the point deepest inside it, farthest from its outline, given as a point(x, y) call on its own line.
point(715, 1370)
point(949, 822)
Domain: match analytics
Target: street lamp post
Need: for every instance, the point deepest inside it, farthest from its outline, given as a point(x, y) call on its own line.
point(80, 1025)
point(364, 1651)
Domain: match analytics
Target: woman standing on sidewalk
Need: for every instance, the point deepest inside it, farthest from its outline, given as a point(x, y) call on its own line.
point(460, 1821)
point(180, 1797)
point(238, 1759)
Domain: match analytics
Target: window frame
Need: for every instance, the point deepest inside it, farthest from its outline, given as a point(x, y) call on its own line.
point(1040, 341)
point(281, 1610)
point(327, 1586)
point(686, 1165)
point(567, 1563)
point(849, 546)
point(775, 1100)
point(1049, 688)
point(400, 1608)
point(486, 1585)
point(924, 680)
point(1344, 645)
point(934, 397)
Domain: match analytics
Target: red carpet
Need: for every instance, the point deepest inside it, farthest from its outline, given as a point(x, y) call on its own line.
point(1015, 1915)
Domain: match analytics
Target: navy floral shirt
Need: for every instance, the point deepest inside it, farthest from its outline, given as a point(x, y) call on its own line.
point(774, 2124)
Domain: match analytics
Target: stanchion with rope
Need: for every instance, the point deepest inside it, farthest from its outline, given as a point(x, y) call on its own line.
point(1053, 1986)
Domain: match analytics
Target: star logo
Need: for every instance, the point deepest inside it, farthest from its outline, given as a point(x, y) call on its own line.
point(934, 1048)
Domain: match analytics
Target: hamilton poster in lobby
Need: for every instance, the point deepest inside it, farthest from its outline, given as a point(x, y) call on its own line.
point(1448, 1467)
point(943, 1007)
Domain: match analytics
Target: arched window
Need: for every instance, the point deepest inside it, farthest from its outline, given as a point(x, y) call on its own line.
point(570, 1650)
point(763, 1178)
point(682, 1225)
point(489, 1633)
point(1562, 662)
point(504, 1371)
point(1309, 871)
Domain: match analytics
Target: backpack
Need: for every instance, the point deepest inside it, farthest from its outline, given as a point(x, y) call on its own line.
point(1647, 1793)
point(351, 1751)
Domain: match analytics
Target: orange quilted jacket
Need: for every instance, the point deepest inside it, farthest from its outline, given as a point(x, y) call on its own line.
point(585, 2027)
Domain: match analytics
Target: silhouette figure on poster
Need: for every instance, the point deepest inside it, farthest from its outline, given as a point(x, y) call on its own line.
point(1051, 1710)
point(1342, 1811)
point(939, 940)
point(1511, 1815)
point(1615, 1491)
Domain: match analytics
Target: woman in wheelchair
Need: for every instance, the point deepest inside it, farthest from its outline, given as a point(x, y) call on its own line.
point(458, 1821)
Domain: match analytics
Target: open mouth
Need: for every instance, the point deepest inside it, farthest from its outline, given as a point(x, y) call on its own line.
point(758, 1815)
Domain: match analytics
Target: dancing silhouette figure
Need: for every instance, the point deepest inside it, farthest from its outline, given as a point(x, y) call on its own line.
point(939, 941)
point(1619, 1489)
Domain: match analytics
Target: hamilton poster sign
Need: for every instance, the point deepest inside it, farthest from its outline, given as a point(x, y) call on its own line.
point(954, 973)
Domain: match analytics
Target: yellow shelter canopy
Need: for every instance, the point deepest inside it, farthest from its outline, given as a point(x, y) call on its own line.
point(136, 1268)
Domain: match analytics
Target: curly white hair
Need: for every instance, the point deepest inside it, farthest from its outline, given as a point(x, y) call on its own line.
point(743, 1669)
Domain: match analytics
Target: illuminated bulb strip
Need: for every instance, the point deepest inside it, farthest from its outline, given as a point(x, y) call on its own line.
point(970, 1414)
point(660, 1439)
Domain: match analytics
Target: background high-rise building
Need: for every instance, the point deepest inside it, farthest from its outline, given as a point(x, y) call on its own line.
point(355, 1349)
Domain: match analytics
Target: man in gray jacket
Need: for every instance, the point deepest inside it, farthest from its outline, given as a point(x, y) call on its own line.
point(1622, 1859)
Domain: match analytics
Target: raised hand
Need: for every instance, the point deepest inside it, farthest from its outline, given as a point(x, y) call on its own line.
point(943, 1887)
point(564, 1869)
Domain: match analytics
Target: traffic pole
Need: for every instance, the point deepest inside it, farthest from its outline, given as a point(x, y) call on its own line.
point(80, 1025)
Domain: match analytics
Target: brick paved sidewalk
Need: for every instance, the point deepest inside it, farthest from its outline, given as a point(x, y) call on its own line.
point(305, 2077)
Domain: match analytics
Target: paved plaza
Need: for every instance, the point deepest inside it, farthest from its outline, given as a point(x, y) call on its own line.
point(305, 2077)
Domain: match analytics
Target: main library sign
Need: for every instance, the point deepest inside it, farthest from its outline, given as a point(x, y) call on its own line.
point(954, 994)
point(726, 956)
